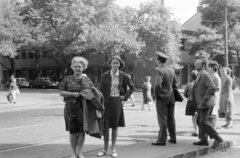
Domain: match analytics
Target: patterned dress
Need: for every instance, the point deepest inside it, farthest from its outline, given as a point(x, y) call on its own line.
point(73, 111)
point(146, 89)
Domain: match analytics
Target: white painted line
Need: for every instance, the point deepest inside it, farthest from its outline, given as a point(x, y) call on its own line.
point(24, 127)
point(29, 146)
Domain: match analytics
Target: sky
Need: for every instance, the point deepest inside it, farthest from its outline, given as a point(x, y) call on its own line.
point(182, 9)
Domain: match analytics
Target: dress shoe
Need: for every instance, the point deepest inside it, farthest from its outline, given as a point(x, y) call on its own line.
point(217, 142)
point(228, 126)
point(172, 141)
point(194, 134)
point(225, 125)
point(201, 142)
point(159, 143)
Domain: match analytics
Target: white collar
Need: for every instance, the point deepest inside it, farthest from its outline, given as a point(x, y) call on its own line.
point(116, 74)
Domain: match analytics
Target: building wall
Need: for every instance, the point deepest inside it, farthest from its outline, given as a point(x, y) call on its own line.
point(28, 67)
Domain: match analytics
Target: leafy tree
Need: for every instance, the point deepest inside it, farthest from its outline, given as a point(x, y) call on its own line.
point(13, 33)
point(207, 40)
point(234, 42)
point(213, 16)
point(155, 26)
point(79, 27)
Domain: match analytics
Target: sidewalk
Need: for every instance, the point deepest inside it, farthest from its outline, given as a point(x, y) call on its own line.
point(143, 148)
point(183, 148)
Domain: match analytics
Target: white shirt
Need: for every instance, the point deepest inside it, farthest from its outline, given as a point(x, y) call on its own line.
point(115, 85)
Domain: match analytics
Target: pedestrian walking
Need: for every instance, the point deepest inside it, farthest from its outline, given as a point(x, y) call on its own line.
point(131, 97)
point(146, 90)
point(191, 110)
point(13, 91)
point(113, 86)
point(165, 100)
point(203, 100)
point(74, 110)
point(213, 70)
point(227, 97)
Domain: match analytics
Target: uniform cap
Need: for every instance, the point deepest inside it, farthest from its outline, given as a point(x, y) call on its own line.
point(162, 55)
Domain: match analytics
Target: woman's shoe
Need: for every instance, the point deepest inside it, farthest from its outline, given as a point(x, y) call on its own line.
point(228, 126)
point(102, 153)
point(194, 134)
point(114, 153)
point(143, 108)
point(225, 125)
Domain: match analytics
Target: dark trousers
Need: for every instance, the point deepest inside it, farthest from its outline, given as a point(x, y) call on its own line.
point(166, 120)
point(205, 127)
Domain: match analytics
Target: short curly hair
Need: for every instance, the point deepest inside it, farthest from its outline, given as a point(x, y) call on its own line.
point(81, 60)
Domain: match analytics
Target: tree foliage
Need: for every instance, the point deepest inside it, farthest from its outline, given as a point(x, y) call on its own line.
point(159, 32)
point(212, 40)
point(13, 33)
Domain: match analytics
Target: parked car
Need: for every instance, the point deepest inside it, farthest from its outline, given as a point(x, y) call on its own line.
point(43, 82)
point(22, 82)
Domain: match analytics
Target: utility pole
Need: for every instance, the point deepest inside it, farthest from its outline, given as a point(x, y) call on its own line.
point(226, 38)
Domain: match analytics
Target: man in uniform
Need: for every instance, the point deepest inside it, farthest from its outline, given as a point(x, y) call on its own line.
point(165, 101)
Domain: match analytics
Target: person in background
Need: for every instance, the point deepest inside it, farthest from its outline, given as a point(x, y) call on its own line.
point(190, 109)
point(213, 70)
point(131, 97)
point(146, 90)
point(234, 85)
point(13, 90)
point(227, 97)
point(203, 90)
point(114, 87)
point(165, 100)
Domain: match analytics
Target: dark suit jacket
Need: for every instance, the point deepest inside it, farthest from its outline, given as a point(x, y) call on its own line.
point(124, 82)
point(203, 89)
point(164, 89)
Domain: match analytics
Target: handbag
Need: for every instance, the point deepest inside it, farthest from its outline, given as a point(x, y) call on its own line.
point(9, 97)
point(177, 95)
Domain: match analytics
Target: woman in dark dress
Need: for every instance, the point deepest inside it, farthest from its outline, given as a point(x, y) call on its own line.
point(114, 87)
point(73, 111)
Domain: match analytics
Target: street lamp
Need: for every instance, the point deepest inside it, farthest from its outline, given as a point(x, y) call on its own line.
point(226, 38)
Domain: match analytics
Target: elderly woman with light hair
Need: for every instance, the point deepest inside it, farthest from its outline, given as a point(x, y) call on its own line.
point(73, 111)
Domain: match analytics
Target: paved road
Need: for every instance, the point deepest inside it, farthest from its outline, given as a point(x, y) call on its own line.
point(39, 132)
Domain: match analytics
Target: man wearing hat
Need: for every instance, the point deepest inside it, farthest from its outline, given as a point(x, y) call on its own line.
point(165, 101)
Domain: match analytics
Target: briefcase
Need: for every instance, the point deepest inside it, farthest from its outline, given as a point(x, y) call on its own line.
point(177, 95)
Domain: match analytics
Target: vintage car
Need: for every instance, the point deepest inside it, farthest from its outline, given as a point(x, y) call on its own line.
point(22, 82)
point(43, 82)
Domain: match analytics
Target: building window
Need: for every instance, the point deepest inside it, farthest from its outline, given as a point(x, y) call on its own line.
point(23, 55)
point(44, 55)
point(183, 41)
point(30, 56)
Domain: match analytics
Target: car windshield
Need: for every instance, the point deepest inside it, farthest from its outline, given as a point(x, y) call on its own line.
point(22, 79)
point(47, 79)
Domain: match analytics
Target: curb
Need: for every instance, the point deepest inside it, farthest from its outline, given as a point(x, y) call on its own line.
point(202, 151)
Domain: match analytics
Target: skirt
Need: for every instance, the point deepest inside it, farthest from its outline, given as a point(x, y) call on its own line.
point(190, 109)
point(73, 116)
point(114, 115)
